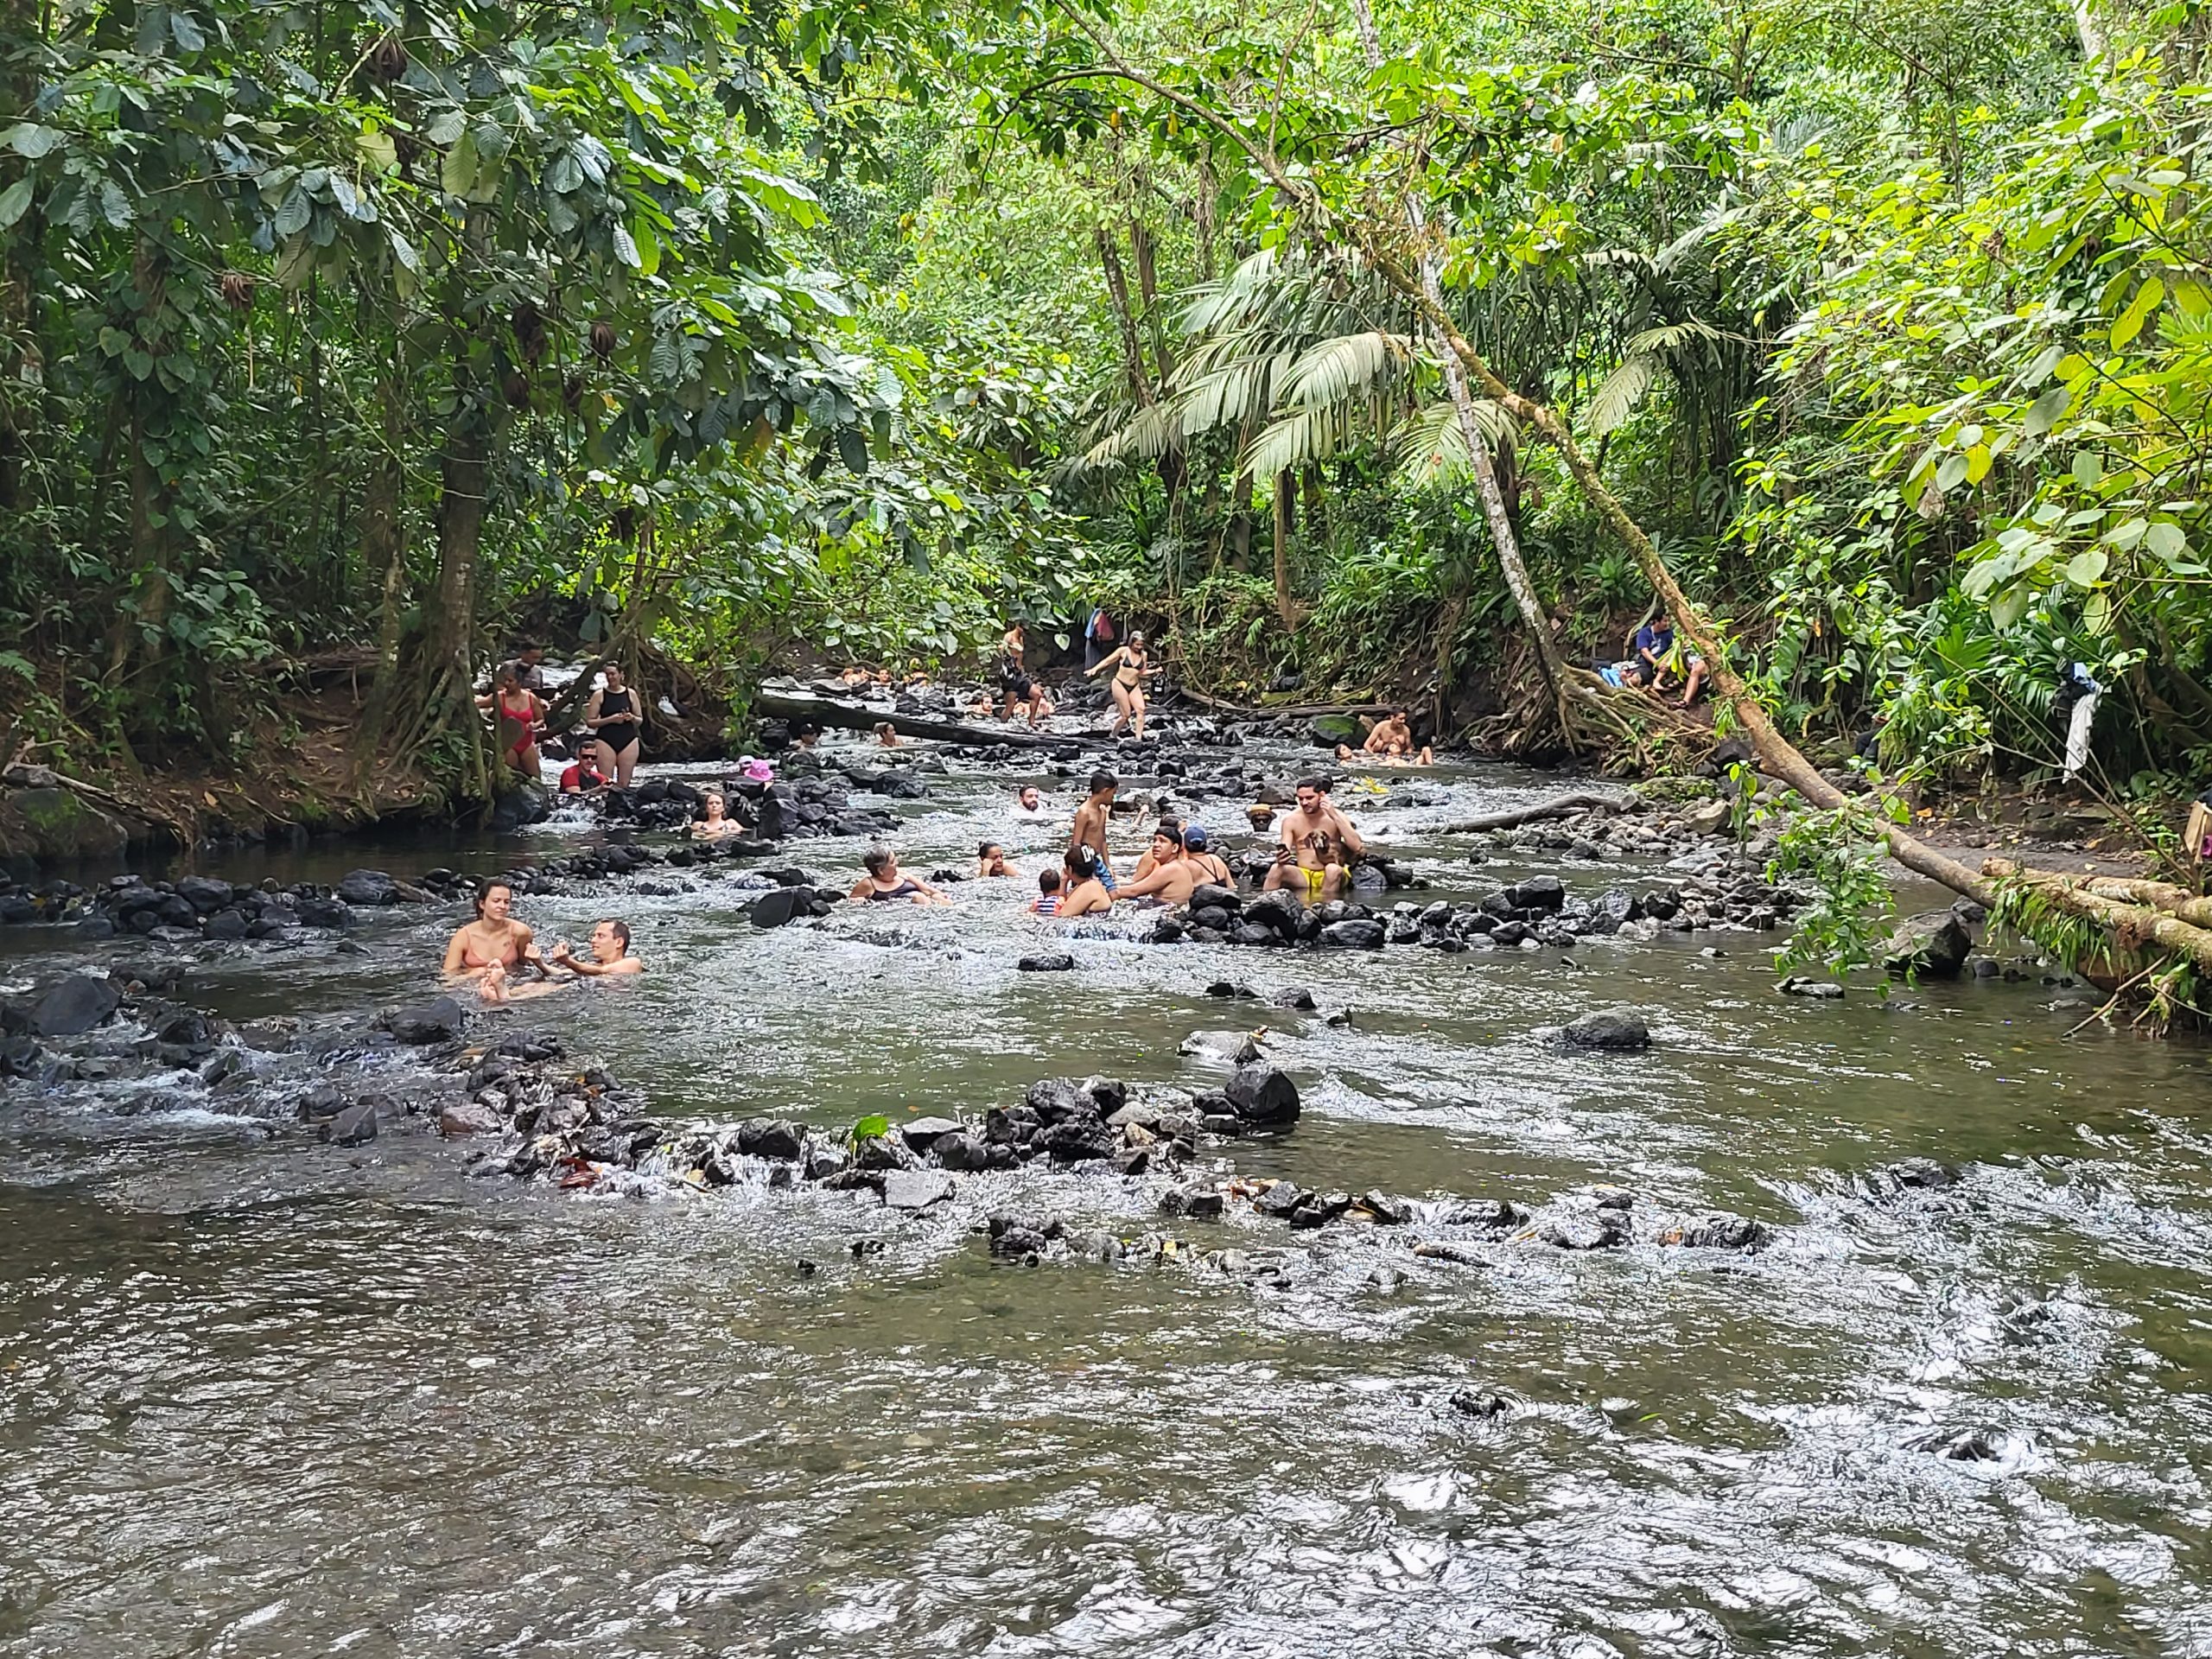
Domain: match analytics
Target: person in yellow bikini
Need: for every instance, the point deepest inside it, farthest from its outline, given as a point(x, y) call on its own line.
point(1319, 848)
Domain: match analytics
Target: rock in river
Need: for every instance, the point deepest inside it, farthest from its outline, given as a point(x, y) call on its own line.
point(1615, 1028)
point(75, 1006)
point(368, 887)
point(1353, 935)
point(916, 1189)
point(1931, 945)
point(438, 1021)
point(353, 1126)
point(1057, 962)
point(1263, 1094)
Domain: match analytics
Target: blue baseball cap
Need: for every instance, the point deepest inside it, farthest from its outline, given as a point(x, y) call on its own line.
point(1194, 837)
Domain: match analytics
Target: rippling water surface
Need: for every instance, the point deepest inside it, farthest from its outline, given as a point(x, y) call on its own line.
point(258, 1398)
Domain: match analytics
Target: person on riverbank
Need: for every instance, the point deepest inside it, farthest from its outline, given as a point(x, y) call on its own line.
point(612, 714)
point(1017, 684)
point(487, 951)
point(1091, 826)
point(610, 954)
point(991, 860)
point(717, 825)
point(530, 667)
point(885, 883)
point(2078, 693)
point(1172, 875)
point(1081, 891)
point(1319, 847)
point(1048, 901)
point(517, 712)
point(1130, 663)
point(1210, 867)
point(1648, 649)
point(1099, 634)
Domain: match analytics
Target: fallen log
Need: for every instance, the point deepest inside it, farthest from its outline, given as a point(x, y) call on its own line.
point(806, 708)
point(2133, 926)
point(1559, 806)
point(1300, 711)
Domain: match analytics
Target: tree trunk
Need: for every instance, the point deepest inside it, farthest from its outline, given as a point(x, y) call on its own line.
point(1500, 522)
point(1286, 609)
point(384, 546)
point(149, 519)
point(1117, 288)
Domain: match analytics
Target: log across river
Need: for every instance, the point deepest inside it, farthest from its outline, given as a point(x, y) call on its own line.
point(270, 1396)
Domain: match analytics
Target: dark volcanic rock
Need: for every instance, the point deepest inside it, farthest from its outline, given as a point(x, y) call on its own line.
point(1931, 945)
point(1725, 1233)
point(1197, 1203)
point(771, 1137)
point(1354, 935)
point(75, 1006)
point(368, 887)
point(1280, 1200)
point(960, 1150)
point(1056, 962)
point(438, 1021)
point(1615, 1028)
point(203, 892)
point(1261, 1093)
point(780, 905)
point(353, 1126)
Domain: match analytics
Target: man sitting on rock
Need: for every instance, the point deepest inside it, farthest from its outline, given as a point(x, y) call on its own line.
point(610, 952)
point(1319, 848)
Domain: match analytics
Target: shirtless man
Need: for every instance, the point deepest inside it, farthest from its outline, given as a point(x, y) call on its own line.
point(1172, 875)
point(1029, 803)
point(487, 951)
point(1090, 825)
point(1393, 739)
point(1210, 867)
point(1166, 844)
point(1319, 846)
point(610, 953)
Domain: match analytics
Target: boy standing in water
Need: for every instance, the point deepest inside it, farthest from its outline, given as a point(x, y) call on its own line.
point(1090, 825)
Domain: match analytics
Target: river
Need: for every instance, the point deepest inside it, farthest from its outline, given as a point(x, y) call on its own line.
point(266, 1398)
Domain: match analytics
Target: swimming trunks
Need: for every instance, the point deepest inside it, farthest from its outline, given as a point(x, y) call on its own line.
point(1314, 879)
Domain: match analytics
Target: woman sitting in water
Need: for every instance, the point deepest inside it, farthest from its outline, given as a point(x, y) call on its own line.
point(716, 825)
point(1081, 893)
point(487, 952)
point(884, 884)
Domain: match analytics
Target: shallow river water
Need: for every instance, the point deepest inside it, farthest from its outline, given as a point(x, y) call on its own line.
point(264, 1397)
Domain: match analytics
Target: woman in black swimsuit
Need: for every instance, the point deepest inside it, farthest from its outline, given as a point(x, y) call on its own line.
point(612, 714)
point(884, 884)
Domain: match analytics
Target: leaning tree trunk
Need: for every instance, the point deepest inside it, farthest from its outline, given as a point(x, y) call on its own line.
point(383, 547)
point(1285, 607)
point(1495, 515)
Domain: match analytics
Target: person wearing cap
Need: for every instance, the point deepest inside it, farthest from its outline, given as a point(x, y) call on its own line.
point(1196, 850)
point(610, 952)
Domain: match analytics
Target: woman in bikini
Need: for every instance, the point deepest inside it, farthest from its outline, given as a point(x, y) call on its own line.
point(612, 714)
point(487, 952)
point(518, 712)
point(1130, 663)
point(884, 884)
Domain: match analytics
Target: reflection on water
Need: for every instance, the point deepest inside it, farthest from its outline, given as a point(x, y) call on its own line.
point(267, 1400)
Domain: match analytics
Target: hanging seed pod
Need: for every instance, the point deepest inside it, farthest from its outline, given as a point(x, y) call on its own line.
point(388, 60)
point(572, 392)
point(602, 341)
point(237, 289)
point(623, 522)
point(529, 323)
point(517, 387)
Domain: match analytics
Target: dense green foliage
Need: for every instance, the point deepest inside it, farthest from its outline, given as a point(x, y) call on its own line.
point(738, 328)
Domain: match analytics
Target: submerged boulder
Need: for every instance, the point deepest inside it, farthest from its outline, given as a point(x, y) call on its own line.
point(440, 1020)
point(1261, 1093)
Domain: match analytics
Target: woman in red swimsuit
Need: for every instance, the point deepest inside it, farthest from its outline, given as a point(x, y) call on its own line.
point(518, 712)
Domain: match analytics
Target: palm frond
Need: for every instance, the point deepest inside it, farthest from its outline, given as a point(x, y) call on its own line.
point(1349, 365)
point(1429, 451)
point(1669, 338)
point(1619, 393)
